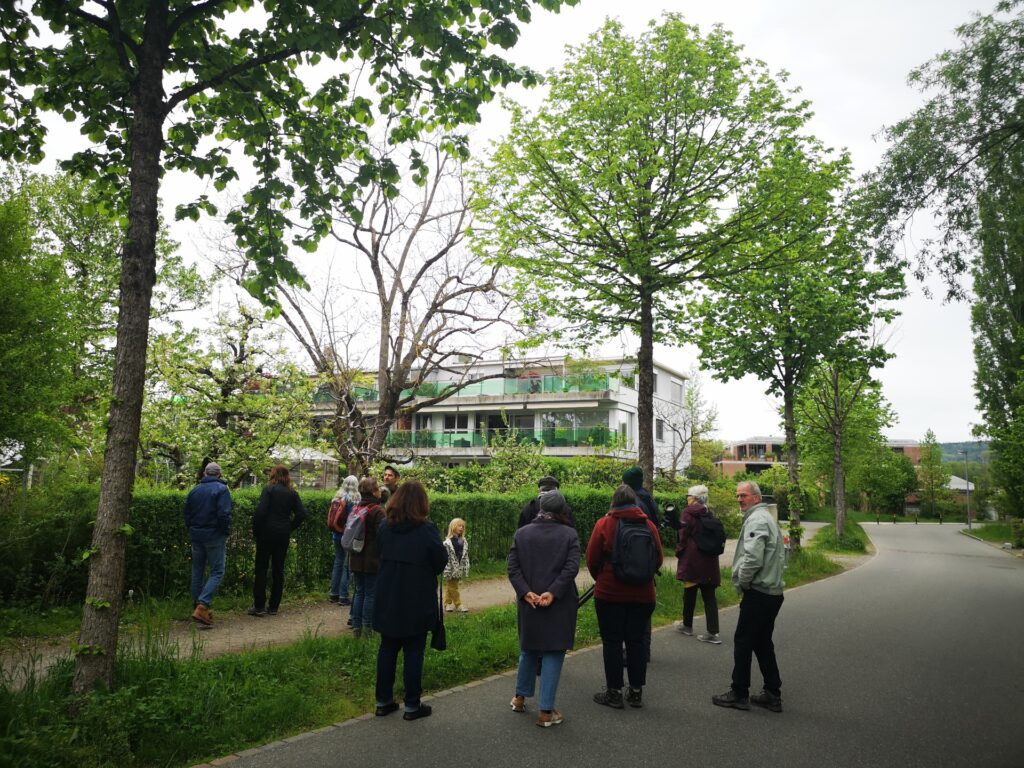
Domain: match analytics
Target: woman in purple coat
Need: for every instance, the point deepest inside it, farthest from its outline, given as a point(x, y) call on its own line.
point(542, 567)
point(697, 570)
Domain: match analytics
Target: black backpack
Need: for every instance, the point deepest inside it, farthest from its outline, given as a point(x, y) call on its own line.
point(634, 552)
point(710, 536)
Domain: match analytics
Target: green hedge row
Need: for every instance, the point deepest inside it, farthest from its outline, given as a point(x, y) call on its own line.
point(44, 537)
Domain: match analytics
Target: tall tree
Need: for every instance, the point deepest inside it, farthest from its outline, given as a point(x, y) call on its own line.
point(435, 305)
point(795, 312)
point(932, 472)
point(174, 85)
point(841, 404)
point(650, 169)
point(945, 154)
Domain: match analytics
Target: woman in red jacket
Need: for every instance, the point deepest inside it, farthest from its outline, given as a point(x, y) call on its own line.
point(623, 609)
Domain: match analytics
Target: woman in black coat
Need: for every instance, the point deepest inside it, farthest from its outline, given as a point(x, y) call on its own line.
point(411, 558)
point(278, 513)
point(542, 567)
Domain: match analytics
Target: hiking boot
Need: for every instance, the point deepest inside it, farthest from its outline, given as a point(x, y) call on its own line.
point(518, 703)
point(424, 710)
point(202, 615)
point(768, 700)
point(684, 630)
point(635, 697)
point(731, 699)
point(710, 637)
point(254, 611)
point(547, 719)
point(610, 697)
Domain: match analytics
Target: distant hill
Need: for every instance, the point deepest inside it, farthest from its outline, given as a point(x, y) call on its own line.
point(977, 450)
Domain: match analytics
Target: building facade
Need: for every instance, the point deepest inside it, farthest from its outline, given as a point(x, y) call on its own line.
point(573, 408)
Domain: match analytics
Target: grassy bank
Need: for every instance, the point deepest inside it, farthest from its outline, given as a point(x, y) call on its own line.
point(174, 708)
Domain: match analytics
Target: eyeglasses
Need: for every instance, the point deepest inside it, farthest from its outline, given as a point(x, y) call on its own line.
point(742, 495)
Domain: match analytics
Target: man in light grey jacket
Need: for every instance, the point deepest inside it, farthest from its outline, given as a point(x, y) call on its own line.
point(757, 575)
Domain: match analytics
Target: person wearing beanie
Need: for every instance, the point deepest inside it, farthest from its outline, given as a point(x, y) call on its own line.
point(208, 520)
point(546, 485)
point(634, 478)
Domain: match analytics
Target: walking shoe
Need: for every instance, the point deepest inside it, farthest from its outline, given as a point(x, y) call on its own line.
point(202, 615)
point(449, 608)
point(386, 709)
point(333, 598)
point(424, 710)
point(462, 609)
point(610, 697)
point(635, 697)
point(731, 699)
point(518, 703)
point(547, 719)
point(710, 637)
point(344, 601)
point(768, 700)
point(684, 630)
point(254, 611)
point(271, 611)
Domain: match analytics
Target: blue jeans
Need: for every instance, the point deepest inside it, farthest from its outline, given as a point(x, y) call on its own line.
point(550, 672)
point(341, 574)
point(207, 552)
point(362, 602)
point(412, 649)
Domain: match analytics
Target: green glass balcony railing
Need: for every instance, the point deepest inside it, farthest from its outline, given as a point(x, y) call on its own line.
point(558, 437)
point(525, 385)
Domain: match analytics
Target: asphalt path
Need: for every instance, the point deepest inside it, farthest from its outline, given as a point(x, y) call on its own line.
point(912, 659)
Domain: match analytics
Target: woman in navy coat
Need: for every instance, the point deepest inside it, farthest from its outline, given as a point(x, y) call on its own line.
point(411, 558)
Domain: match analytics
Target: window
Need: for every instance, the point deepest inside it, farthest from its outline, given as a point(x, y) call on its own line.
point(659, 430)
point(677, 392)
point(654, 383)
point(456, 422)
point(423, 421)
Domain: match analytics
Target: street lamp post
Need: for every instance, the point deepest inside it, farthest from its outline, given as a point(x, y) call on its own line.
point(967, 488)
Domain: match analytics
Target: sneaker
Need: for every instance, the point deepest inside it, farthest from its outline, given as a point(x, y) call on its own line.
point(610, 697)
point(768, 700)
point(271, 611)
point(635, 697)
point(547, 719)
point(424, 710)
point(202, 615)
point(254, 611)
point(684, 630)
point(386, 709)
point(518, 703)
point(710, 637)
point(731, 699)
point(449, 608)
point(462, 609)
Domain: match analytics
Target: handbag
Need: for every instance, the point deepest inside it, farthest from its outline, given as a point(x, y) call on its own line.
point(439, 638)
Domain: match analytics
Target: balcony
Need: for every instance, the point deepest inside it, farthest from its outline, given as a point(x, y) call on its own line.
point(525, 385)
point(567, 437)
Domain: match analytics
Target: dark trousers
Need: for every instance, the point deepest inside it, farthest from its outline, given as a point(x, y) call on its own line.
point(412, 649)
point(270, 550)
point(754, 637)
point(707, 592)
point(623, 623)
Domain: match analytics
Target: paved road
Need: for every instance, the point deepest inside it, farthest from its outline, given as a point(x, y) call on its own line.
point(912, 659)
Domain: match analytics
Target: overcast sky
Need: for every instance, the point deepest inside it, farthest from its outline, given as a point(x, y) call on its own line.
point(851, 60)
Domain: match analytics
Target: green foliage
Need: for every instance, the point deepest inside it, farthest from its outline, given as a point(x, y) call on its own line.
point(933, 475)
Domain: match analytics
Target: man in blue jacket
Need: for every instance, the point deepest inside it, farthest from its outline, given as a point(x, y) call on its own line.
point(208, 519)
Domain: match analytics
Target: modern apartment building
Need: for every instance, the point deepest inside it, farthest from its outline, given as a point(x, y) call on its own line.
point(756, 454)
point(574, 408)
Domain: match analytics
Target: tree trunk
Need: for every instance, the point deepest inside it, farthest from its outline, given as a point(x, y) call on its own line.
point(645, 406)
point(838, 476)
point(96, 653)
point(795, 496)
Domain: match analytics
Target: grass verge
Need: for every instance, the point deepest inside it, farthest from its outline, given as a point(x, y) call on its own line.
point(998, 532)
point(854, 539)
point(174, 708)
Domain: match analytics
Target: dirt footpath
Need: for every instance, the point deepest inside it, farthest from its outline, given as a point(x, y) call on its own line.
point(234, 632)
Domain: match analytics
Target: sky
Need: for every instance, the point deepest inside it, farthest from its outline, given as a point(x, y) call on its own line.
point(851, 60)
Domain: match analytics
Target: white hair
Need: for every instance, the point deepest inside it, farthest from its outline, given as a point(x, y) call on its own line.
point(755, 489)
point(699, 492)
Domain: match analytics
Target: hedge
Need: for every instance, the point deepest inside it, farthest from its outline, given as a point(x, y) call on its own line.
point(44, 537)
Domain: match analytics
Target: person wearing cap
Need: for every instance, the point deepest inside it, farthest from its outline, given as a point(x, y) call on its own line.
point(208, 520)
point(634, 478)
point(546, 486)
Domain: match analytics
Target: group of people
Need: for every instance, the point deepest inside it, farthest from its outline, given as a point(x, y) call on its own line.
point(401, 555)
